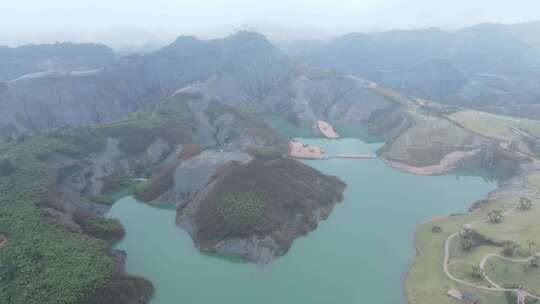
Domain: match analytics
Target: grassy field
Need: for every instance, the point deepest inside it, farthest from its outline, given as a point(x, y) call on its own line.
point(429, 133)
point(534, 180)
point(426, 281)
point(510, 273)
point(499, 127)
point(519, 227)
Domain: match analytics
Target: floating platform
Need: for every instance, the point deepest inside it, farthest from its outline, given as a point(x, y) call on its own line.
point(304, 151)
point(327, 130)
point(356, 156)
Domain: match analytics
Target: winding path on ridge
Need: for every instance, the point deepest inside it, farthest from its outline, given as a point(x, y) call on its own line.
point(493, 255)
point(520, 293)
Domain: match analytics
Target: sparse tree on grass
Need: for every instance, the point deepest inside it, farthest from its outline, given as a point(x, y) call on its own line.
point(468, 244)
point(477, 272)
point(535, 262)
point(509, 249)
point(525, 203)
point(467, 239)
point(531, 245)
point(495, 216)
point(467, 233)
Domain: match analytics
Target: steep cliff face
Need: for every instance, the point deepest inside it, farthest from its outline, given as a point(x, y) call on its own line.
point(195, 174)
point(335, 98)
point(56, 99)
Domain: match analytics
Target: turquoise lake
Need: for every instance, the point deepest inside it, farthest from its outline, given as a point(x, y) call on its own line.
point(359, 255)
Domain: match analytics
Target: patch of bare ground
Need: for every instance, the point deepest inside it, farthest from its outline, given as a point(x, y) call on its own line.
point(448, 163)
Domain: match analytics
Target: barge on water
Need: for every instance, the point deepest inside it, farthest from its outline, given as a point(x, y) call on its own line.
point(310, 152)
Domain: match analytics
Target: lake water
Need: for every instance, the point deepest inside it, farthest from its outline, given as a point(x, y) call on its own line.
point(359, 255)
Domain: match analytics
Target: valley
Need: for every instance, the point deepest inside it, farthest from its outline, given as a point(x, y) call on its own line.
point(366, 242)
point(225, 170)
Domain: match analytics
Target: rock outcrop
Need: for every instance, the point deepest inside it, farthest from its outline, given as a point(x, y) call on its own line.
point(194, 175)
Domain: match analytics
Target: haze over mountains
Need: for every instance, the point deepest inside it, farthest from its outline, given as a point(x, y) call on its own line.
point(241, 70)
point(490, 66)
point(28, 59)
point(113, 90)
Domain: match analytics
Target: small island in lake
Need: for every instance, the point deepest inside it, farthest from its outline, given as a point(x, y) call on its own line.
point(258, 209)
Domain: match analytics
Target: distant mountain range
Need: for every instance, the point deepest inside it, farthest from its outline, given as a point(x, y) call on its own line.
point(244, 64)
point(493, 67)
point(242, 70)
point(488, 65)
point(16, 62)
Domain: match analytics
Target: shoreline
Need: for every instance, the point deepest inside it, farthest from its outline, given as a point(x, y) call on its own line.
point(411, 262)
point(448, 163)
point(516, 185)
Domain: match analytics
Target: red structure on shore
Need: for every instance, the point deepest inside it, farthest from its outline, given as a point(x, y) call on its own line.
point(327, 130)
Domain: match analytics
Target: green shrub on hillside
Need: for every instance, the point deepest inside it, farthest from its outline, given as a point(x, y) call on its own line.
point(7, 272)
point(232, 214)
point(103, 200)
point(79, 141)
point(173, 121)
point(236, 208)
point(6, 167)
point(117, 182)
point(268, 152)
point(104, 228)
point(158, 184)
point(43, 262)
point(216, 109)
point(121, 289)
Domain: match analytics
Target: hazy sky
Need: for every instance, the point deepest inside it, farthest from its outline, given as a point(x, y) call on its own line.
point(125, 22)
